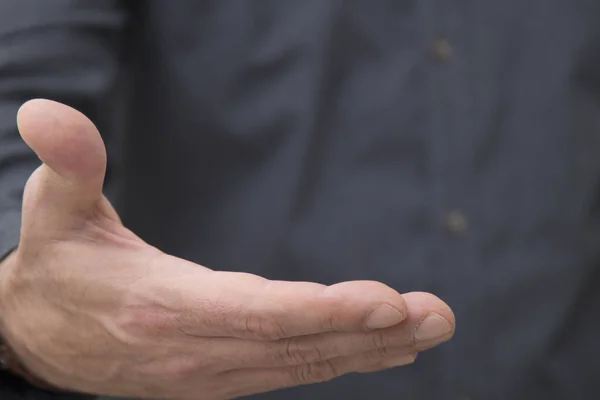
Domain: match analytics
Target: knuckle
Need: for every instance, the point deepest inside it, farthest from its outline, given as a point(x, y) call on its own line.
point(328, 323)
point(378, 340)
point(263, 327)
point(321, 371)
point(381, 352)
point(371, 358)
point(295, 352)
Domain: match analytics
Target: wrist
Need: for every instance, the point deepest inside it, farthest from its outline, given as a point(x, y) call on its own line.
point(10, 362)
point(6, 265)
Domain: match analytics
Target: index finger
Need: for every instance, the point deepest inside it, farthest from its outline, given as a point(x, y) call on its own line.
point(227, 304)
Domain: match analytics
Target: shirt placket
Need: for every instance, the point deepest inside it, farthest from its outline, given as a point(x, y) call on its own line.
point(453, 200)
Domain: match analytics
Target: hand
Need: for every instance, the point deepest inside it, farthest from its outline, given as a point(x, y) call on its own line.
point(90, 307)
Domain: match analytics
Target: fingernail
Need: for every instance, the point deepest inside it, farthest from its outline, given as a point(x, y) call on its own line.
point(383, 316)
point(400, 360)
point(434, 326)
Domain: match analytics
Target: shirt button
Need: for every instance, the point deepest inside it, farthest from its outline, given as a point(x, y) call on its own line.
point(442, 51)
point(456, 222)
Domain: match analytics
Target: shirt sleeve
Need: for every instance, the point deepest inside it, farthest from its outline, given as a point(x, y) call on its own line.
point(64, 50)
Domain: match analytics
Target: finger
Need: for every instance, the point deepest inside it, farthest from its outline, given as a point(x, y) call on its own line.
point(429, 323)
point(320, 347)
point(250, 307)
point(252, 381)
point(69, 183)
point(392, 361)
point(434, 321)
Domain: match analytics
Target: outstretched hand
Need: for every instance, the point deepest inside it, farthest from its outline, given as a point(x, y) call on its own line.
point(90, 307)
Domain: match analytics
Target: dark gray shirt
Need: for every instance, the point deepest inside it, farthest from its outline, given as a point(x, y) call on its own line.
point(447, 146)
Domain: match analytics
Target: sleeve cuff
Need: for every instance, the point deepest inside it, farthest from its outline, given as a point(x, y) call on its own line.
point(13, 388)
point(10, 232)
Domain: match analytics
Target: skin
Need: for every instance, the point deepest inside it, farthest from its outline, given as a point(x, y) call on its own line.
point(90, 307)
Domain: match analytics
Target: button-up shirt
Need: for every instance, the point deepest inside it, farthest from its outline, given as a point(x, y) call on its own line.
point(445, 146)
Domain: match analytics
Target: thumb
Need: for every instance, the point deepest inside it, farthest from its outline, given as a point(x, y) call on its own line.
point(68, 186)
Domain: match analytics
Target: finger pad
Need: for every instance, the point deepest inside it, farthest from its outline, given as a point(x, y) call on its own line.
point(421, 303)
point(63, 138)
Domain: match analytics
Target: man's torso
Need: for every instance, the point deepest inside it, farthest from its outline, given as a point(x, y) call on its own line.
point(444, 146)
